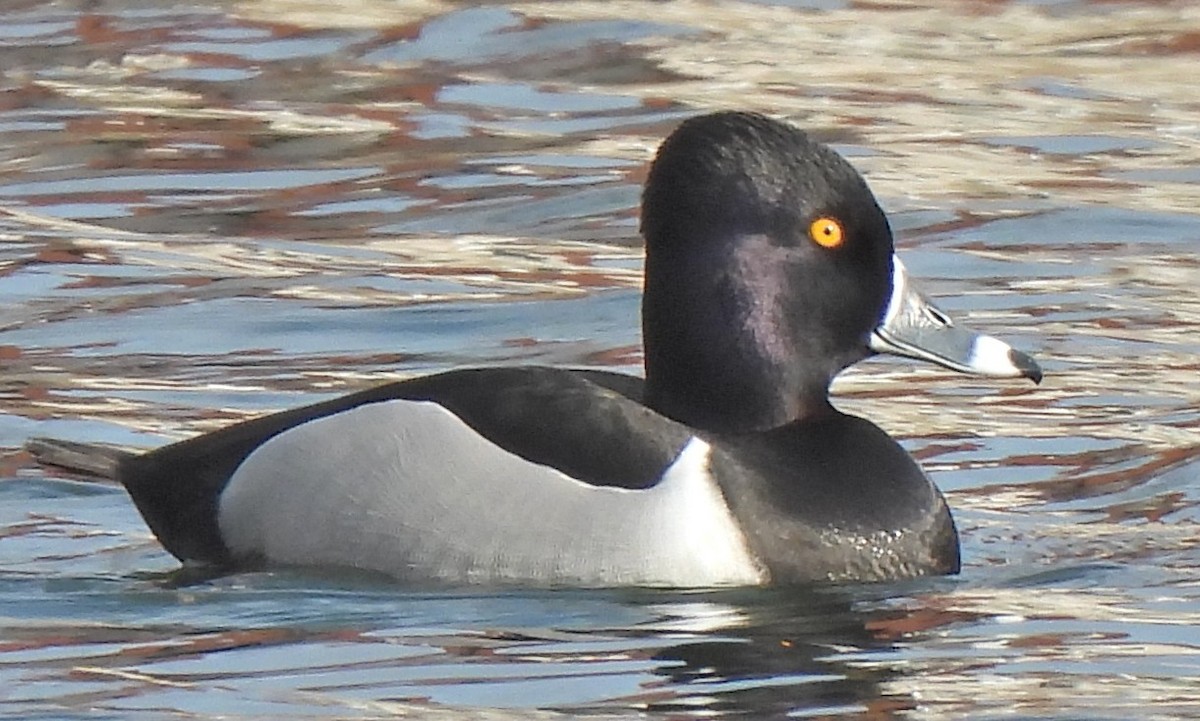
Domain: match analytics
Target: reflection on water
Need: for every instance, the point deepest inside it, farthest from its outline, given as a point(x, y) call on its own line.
point(214, 210)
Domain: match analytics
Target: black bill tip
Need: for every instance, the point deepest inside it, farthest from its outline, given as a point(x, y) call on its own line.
point(1028, 367)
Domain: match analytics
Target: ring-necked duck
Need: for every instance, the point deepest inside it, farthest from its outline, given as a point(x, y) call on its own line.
point(769, 269)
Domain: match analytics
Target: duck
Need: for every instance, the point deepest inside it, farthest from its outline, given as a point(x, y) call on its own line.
point(769, 269)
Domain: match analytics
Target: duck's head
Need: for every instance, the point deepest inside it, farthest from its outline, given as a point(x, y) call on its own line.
point(770, 269)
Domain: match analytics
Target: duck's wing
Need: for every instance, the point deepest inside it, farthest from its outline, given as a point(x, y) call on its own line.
point(531, 474)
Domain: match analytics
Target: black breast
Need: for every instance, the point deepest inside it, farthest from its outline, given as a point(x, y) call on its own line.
point(835, 498)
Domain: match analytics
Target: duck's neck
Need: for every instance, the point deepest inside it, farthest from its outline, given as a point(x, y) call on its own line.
point(721, 353)
point(712, 401)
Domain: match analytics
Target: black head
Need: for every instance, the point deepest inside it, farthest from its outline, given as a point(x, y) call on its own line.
point(768, 264)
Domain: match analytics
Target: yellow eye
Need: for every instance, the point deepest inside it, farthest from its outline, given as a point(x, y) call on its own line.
point(826, 232)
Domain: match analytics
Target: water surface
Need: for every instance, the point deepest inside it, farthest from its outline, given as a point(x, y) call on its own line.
point(217, 209)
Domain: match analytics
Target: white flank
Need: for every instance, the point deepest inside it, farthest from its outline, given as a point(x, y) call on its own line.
point(407, 488)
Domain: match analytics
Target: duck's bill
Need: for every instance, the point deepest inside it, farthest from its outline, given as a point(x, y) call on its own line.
point(912, 327)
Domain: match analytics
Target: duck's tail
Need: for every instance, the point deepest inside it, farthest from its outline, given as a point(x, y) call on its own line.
point(176, 493)
point(95, 460)
point(177, 487)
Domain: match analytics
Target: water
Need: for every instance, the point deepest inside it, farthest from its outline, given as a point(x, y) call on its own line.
point(216, 209)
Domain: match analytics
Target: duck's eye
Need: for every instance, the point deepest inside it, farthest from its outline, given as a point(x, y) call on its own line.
point(827, 232)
